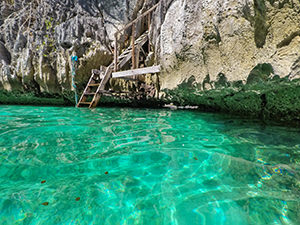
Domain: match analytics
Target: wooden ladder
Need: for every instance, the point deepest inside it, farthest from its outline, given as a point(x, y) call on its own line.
point(99, 79)
point(96, 85)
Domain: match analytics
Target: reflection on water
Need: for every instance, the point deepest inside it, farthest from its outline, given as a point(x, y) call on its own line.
point(126, 166)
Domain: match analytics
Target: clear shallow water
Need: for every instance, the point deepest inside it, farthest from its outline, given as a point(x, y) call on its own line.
point(163, 167)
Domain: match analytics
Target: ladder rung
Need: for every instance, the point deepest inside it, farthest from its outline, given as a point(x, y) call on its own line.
point(123, 55)
point(141, 37)
point(103, 91)
point(94, 85)
point(139, 41)
point(126, 51)
point(85, 103)
point(89, 93)
point(96, 72)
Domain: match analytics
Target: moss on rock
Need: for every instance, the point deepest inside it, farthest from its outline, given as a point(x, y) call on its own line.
point(283, 103)
point(20, 98)
point(244, 103)
point(273, 100)
point(260, 73)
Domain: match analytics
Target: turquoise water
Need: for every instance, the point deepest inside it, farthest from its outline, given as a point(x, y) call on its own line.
point(132, 166)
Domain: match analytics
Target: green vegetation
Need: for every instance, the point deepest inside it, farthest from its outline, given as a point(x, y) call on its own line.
point(67, 99)
point(11, 2)
point(272, 100)
point(49, 24)
point(260, 73)
point(20, 98)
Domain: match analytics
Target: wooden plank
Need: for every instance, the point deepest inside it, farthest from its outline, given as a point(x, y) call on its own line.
point(131, 79)
point(116, 53)
point(108, 73)
point(143, 41)
point(133, 59)
point(141, 71)
point(94, 85)
point(124, 60)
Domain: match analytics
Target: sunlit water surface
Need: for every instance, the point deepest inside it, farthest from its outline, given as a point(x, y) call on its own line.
point(132, 166)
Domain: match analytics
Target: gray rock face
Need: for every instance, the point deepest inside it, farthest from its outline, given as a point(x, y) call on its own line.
point(37, 40)
point(5, 56)
point(203, 39)
point(213, 37)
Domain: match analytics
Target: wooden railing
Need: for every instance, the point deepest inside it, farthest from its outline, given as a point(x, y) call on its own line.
point(133, 33)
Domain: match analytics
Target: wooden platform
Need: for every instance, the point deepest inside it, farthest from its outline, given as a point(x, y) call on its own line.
point(135, 72)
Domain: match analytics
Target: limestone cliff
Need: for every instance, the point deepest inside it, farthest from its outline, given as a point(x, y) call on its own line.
point(38, 37)
point(235, 56)
point(204, 39)
point(212, 38)
point(217, 45)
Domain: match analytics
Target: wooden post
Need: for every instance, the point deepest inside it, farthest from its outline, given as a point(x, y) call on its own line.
point(149, 26)
point(137, 58)
point(116, 53)
point(133, 46)
point(157, 85)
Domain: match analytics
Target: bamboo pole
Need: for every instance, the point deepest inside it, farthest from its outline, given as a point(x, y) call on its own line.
point(133, 57)
point(149, 26)
point(116, 54)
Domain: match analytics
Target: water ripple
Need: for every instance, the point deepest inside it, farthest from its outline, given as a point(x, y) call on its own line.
point(128, 166)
